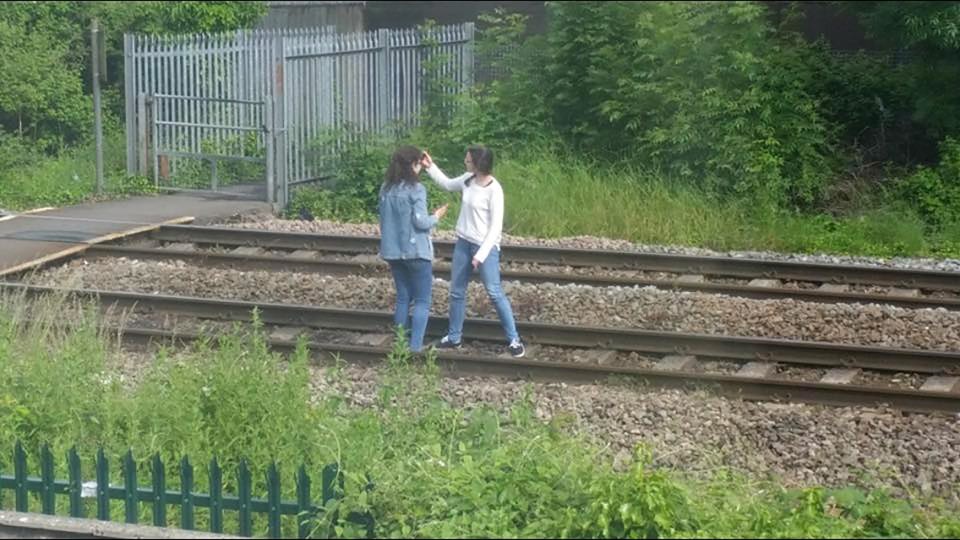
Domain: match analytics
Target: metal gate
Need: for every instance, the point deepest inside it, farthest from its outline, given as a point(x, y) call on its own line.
point(228, 148)
point(199, 109)
point(344, 85)
point(247, 112)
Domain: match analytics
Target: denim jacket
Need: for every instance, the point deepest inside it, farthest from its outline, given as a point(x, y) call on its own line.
point(405, 222)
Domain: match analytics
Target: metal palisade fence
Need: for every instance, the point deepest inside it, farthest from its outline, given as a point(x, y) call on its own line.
point(255, 112)
point(134, 498)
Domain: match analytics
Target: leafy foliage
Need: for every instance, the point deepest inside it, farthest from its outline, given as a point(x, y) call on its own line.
point(436, 470)
point(700, 90)
point(930, 31)
point(512, 106)
point(356, 173)
point(935, 192)
point(45, 57)
point(42, 98)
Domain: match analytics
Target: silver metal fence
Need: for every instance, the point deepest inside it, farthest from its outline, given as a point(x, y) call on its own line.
point(362, 83)
point(233, 148)
point(278, 92)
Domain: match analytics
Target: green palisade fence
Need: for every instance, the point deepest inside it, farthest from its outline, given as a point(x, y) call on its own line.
point(131, 494)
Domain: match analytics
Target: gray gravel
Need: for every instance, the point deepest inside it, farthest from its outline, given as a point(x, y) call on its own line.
point(630, 307)
point(267, 222)
point(690, 430)
point(697, 433)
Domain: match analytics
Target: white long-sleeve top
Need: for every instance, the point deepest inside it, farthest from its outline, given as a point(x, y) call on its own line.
point(481, 209)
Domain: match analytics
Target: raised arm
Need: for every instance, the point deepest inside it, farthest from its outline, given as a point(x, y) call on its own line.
point(455, 184)
point(442, 180)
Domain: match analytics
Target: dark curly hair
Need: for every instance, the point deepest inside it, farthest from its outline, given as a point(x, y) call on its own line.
point(401, 166)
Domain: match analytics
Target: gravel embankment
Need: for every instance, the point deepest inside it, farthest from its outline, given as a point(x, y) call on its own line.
point(698, 433)
point(266, 222)
point(690, 430)
point(631, 307)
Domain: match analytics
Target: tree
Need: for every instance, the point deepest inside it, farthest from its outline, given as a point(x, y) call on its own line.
point(42, 97)
point(45, 56)
point(930, 31)
point(704, 91)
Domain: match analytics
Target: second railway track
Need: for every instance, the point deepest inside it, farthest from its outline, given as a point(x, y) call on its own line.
point(353, 255)
point(655, 262)
point(937, 394)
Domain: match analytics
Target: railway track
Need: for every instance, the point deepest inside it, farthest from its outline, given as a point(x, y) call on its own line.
point(655, 262)
point(245, 249)
point(253, 258)
point(679, 353)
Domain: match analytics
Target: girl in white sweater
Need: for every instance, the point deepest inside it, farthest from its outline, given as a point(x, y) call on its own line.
point(479, 229)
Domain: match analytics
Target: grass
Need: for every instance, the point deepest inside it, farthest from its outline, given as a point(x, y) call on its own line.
point(551, 196)
point(437, 470)
point(29, 181)
point(548, 195)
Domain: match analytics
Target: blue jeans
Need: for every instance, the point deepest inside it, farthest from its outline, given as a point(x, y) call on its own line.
point(460, 271)
point(414, 281)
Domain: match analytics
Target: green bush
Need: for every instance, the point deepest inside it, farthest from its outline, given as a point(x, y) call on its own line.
point(509, 111)
point(866, 98)
point(45, 57)
point(935, 192)
point(30, 179)
point(356, 173)
point(702, 91)
point(435, 470)
point(356, 169)
point(929, 32)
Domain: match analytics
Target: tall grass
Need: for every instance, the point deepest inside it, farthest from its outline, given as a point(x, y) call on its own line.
point(436, 470)
point(554, 195)
point(33, 181)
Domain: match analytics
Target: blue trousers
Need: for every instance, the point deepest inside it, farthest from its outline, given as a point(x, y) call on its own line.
point(414, 281)
point(460, 271)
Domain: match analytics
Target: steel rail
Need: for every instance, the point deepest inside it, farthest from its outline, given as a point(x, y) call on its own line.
point(657, 262)
point(749, 388)
point(345, 267)
point(620, 339)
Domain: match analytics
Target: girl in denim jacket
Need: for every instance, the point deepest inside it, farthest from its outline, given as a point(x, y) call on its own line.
point(405, 240)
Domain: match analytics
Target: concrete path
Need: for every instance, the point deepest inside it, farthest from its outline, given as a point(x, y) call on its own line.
point(33, 238)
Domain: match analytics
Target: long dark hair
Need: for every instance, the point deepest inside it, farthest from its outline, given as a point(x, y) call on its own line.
point(401, 166)
point(482, 158)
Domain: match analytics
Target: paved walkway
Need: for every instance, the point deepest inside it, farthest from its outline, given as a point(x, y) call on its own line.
point(32, 238)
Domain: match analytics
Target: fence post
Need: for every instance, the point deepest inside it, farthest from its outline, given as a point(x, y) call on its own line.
point(384, 107)
point(243, 486)
point(216, 497)
point(468, 58)
point(130, 496)
point(129, 98)
point(186, 494)
point(76, 484)
point(276, 191)
point(273, 501)
point(103, 487)
point(154, 138)
point(20, 476)
point(303, 502)
point(96, 36)
point(47, 497)
point(142, 134)
point(159, 492)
